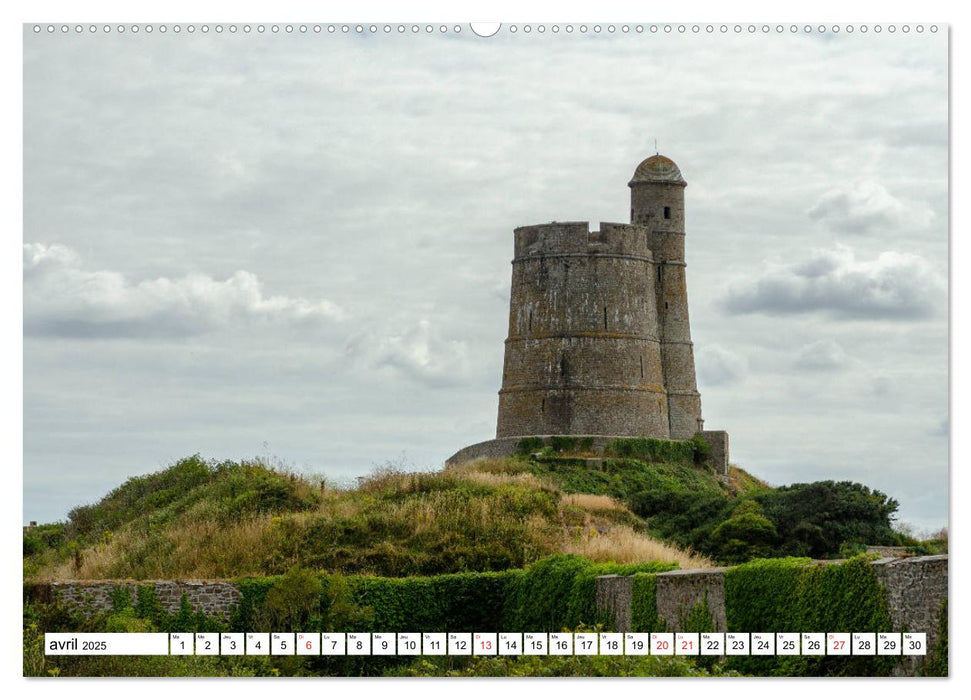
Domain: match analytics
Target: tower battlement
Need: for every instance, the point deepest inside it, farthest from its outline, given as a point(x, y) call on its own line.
point(576, 238)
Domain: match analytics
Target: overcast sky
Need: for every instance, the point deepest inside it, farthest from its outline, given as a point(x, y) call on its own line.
point(298, 246)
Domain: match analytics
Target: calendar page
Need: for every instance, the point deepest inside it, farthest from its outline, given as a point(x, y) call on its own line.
point(450, 349)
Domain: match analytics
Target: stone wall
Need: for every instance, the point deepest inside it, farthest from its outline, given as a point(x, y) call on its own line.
point(506, 447)
point(916, 588)
point(718, 440)
point(679, 591)
point(214, 598)
point(614, 596)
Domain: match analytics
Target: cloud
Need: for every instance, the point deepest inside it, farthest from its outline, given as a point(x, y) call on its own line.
point(718, 366)
point(822, 355)
point(894, 285)
point(63, 299)
point(418, 352)
point(868, 207)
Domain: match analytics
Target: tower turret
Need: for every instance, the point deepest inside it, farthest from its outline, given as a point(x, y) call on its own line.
point(657, 202)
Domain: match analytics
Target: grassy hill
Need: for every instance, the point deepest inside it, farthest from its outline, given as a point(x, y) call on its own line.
point(203, 519)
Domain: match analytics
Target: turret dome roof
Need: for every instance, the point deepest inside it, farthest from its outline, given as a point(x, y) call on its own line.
point(658, 168)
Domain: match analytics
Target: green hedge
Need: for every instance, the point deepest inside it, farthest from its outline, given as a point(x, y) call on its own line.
point(449, 603)
point(559, 592)
point(652, 449)
point(643, 607)
point(554, 593)
point(795, 595)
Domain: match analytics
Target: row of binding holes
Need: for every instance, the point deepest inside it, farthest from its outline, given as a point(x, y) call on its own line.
point(259, 28)
point(721, 28)
point(513, 28)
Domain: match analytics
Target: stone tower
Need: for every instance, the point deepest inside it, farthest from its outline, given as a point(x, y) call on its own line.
point(599, 343)
point(657, 203)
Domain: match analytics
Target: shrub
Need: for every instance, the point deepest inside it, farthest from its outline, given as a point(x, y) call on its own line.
point(559, 592)
point(743, 537)
point(292, 600)
point(795, 595)
point(528, 446)
point(652, 449)
point(643, 612)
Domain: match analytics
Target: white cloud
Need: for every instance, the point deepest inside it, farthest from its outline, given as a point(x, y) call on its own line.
point(867, 207)
point(893, 285)
point(822, 355)
point(418, 352)
point(62, 298)
point(718, 366)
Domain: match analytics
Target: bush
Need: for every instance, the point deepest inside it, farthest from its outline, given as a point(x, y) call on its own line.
point(816, 519)
point(559, 592)
point(292, 600)
point(643, 612)
point(652, 449)
point(744, 536)
point(795, 595)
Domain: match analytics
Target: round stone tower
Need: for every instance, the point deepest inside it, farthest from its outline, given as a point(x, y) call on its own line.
point(583, 355)
point(657, 203)
point(599, 344)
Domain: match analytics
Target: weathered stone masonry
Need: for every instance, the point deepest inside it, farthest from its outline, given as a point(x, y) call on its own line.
point(915, 588)
point(214, 598)
point(599, 341)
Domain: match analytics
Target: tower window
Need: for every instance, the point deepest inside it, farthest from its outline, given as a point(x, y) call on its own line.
point(665, 305)
point(667, 212)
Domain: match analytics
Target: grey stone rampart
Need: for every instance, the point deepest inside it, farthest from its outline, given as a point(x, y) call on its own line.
point(916, 588)
point(215, 598)
point(718, 440)
point(614, 597)
point(679, 591)
point(506, 446)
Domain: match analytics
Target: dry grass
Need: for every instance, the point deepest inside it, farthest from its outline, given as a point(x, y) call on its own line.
point(501, 479)
point(741, 483)
point(622, 545)
point(491, 466)
point(589, 501)
point(486, 505)
point(200, 549)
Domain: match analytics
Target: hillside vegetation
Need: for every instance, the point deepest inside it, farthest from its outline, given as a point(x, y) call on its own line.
point(203, 519)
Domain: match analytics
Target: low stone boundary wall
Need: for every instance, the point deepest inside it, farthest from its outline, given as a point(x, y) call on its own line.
point(679, 591)
point(506, 447)
point(214, 598)
point(916, 587)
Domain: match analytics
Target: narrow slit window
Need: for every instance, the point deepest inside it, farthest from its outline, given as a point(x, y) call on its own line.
point(642, 366)
point(530, 322)
point(605, 318)
point(665, 305)
point(667, 212)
